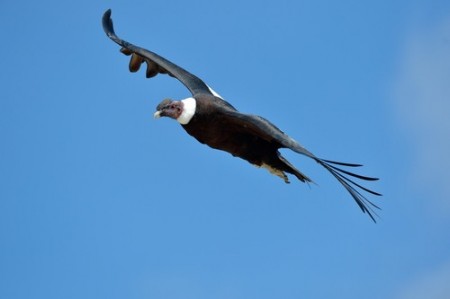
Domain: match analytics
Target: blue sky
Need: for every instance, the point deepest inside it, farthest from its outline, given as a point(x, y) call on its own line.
point(99, 200)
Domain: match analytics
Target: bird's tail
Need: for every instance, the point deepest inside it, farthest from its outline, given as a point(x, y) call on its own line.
point(288, 167)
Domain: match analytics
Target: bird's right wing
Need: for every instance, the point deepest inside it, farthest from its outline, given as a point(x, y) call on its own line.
point(155, 63)
point(266, 130)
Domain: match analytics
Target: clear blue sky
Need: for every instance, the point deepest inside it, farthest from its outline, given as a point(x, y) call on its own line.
point(99, 200)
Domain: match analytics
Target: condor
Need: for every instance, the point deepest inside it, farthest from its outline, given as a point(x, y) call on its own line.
point(212, 121)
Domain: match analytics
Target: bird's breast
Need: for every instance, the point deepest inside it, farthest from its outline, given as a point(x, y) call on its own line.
point(239, 143)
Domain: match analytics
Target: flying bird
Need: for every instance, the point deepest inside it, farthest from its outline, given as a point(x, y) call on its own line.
point(211, 120)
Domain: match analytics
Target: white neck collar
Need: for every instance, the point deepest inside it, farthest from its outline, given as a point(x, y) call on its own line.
point(189, 106)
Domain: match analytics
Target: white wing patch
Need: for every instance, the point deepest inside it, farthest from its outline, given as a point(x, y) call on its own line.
point(214, 93)
point(189, 106)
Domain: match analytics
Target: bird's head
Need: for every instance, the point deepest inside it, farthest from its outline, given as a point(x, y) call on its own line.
point(182, 110)
point(169, 108)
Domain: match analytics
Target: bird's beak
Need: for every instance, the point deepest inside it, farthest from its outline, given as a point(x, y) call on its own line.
point(157, 114)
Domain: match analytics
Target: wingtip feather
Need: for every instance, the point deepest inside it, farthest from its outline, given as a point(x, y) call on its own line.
point(107, 23)
point(364, 204)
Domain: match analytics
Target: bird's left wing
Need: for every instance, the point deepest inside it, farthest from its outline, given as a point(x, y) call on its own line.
point(155, 63)
point(269, 132)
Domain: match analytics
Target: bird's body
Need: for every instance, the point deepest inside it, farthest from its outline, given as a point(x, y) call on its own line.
point(214, 125)
point(211, 120)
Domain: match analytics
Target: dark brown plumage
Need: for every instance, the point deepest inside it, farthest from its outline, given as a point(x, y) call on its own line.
point(214, 122)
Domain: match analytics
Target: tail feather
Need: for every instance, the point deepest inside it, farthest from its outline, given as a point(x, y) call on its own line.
point(291, 169)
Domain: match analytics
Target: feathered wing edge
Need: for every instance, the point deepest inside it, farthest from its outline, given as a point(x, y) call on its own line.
point(350, 185)
point(192, 82)
point(269, 131)
point(341, 175)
